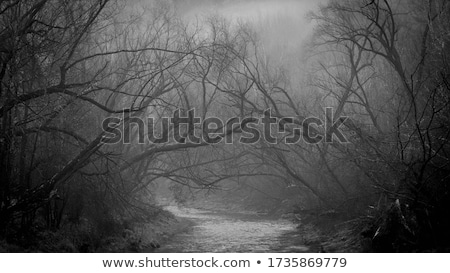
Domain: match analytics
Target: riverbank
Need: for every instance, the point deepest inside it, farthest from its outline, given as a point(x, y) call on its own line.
point(159, 233)
point(149, 236)
point(344, 237)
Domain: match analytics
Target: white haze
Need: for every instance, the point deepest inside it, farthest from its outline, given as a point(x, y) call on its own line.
point(282, 24)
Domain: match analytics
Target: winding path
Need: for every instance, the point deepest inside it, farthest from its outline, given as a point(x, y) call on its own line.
point(233, 232)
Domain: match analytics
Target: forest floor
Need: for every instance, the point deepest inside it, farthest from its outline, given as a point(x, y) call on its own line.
point(143, 237)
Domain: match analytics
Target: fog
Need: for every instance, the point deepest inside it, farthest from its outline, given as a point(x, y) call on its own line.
point(283, 26)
